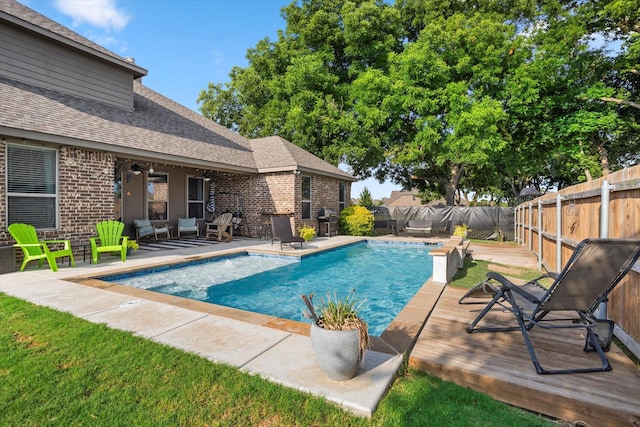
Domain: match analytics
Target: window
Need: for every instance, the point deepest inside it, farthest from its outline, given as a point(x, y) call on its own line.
point(32, 186)
point(341, 202)
point(158, 196)
point(195, 204)
point(306, 197)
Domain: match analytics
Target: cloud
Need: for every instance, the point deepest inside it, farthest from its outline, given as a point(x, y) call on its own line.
point(99, 13)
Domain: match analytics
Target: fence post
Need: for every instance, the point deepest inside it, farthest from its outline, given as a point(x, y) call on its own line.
point(604, 231)
point(530, 227)
point(604, 209)
point(539, 265)
point(558, 232)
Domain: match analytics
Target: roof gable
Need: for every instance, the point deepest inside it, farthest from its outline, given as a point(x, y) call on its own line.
point(275, 153)
point(18, 14)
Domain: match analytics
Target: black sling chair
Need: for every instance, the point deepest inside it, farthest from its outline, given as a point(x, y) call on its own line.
point(594, 269)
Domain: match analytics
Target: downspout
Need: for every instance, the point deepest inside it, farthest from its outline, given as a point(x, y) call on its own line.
point(604, 231)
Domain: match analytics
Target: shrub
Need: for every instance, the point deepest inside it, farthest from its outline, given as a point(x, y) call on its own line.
point(356, 221)
point(461, 230)
point(307, 233)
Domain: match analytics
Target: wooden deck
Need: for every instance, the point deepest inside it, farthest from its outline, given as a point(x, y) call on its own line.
point(498, 363)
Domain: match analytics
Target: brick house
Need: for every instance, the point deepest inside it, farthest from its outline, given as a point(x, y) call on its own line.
point(83, 140)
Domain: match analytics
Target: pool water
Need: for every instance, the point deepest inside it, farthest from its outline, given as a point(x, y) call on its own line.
point(384, 275)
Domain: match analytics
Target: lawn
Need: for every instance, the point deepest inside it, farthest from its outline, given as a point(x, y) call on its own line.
point(59, 370)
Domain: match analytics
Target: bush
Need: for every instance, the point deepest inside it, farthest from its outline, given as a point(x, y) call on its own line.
point(356, 221)
point(307, 233)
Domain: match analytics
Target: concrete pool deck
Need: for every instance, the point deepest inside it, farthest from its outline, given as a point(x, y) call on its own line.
point(273, 348)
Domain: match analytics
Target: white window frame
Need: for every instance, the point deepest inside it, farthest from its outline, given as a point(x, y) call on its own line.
point(342, 193)
point(192, 201)
point(306, 200)
point(156, 200)
point(22, 204)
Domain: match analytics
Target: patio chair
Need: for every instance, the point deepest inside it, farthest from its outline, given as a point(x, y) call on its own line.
point(188, 225)
point(281, 227)
point(109, 239)
point(594, 269)
point(219, 226)
point(144, 228)
point(39, 250)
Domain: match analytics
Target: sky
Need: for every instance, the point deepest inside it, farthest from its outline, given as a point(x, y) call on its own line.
point(183, 44)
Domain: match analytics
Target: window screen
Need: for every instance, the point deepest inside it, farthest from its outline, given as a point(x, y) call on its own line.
point(32, 186)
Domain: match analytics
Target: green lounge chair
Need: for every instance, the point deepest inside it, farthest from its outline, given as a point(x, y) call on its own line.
point(38, 250)
point(109, 239)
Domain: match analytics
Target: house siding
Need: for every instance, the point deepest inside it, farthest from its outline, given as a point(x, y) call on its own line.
point(31, 59)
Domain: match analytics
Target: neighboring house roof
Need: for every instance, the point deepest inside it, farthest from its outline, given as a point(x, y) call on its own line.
point(158, 129)
point(403, 198)
point(21, 15)
point(411, 198)
point(274, 154)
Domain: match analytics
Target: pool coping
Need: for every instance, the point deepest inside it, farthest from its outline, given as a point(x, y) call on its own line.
point(397, 339)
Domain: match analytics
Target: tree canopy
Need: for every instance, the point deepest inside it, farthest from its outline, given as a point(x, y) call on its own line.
point(448, 97)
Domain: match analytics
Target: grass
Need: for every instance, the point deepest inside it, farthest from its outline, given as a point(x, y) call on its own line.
point(59, 370)
point(474, 272)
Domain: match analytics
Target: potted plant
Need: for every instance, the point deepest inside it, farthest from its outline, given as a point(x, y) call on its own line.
point(307, 233)
point(338, 335)
point(132, 245)
point(461, 230)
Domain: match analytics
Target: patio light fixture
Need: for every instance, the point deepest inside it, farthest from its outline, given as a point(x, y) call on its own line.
point(135, 169)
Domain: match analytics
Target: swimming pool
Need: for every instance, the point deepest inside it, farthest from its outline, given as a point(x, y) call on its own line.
point(384, 275)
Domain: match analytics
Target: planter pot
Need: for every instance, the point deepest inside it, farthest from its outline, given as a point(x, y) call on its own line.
point(337, 352)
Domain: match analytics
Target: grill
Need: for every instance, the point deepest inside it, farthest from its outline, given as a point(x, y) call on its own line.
point(327, 220)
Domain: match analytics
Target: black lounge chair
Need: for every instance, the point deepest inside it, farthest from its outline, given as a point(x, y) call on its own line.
point(281, 227)
point(594, 269)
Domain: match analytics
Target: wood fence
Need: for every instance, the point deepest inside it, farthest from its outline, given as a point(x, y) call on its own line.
point(553, 224)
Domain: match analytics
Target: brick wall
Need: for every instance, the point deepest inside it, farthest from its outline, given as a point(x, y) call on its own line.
point(3, 192)
point(85, 194)
point(86, 191)
point(261, 195)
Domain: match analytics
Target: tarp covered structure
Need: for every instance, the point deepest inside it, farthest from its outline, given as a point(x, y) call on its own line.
point(484, 222)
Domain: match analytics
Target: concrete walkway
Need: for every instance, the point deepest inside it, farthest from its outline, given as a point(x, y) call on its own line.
point(280, 356)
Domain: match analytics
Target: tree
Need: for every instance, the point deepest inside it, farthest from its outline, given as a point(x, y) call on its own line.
point(365, 198)
point(447, 97)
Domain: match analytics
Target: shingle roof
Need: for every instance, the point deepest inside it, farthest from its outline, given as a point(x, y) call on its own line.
point(276, 153)
point(158, 127)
